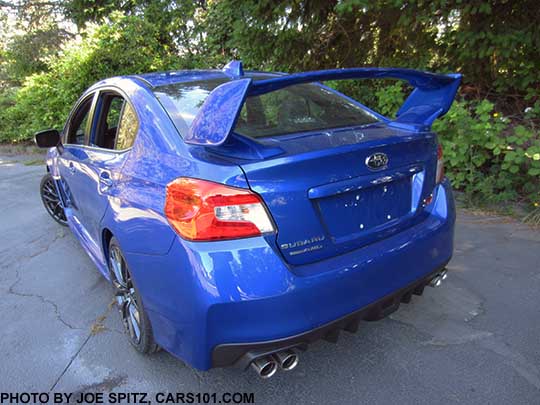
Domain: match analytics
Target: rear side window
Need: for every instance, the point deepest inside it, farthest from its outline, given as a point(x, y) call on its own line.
point(298, 108)
point(117, 123)
point(183, 100)
point(113, 115)
point(127, 128)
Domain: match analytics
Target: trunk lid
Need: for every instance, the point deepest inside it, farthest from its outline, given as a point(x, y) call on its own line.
point(324, 198)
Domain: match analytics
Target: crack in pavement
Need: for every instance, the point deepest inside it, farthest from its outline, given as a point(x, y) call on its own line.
point(488, 341)
point(12, 291)
point(448, 317)
point(18, 278)
point(514, 359)
point(97, 327)
point(17, 257)
point(70, 362)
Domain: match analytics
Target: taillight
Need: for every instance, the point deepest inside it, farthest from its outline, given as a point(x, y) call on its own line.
point(203, 210)
point(440, 165)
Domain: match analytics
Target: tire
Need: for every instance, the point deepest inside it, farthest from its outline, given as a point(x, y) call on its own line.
point(51, 199)
point(134, 318)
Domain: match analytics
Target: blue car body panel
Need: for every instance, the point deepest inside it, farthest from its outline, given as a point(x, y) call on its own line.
point(199, 295)
point(218, 114)
point(271, 300)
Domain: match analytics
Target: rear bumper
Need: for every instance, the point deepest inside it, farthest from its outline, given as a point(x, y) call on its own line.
point(242, 354)
point(211, 303)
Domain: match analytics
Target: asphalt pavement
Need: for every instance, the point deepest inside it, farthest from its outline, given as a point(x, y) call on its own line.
point(476, 339)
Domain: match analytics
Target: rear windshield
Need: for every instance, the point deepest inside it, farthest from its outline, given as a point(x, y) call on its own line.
point(298, 108)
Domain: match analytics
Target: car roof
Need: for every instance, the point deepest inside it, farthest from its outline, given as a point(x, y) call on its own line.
point(185, 76)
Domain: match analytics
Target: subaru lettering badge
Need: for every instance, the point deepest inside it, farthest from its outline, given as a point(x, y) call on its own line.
point(377, 161)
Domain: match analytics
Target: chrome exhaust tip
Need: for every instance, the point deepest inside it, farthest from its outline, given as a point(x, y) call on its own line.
point(435, 281)
point(438, 279)
point(286, 359)
point(265, 366)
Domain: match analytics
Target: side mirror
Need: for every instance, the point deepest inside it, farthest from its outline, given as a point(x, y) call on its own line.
point(48, 138)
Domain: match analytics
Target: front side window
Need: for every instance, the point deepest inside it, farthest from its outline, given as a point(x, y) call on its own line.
point(298, 108)
point(78, 128)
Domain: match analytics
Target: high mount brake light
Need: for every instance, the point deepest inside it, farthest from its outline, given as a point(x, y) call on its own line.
point(440, 165)
point(201, 210)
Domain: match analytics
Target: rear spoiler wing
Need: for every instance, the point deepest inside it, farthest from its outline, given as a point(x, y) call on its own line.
point(431, 98)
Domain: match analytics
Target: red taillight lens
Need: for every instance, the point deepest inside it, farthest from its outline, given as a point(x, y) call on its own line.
point(440, 165)
point(203, 210)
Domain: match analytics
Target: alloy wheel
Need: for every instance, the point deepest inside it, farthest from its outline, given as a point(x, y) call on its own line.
point(51, 200)
point(125, 295)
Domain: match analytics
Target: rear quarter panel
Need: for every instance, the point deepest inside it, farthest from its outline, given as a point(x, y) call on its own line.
point(158, 156)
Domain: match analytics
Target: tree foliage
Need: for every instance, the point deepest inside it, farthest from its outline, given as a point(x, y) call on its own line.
point(27, 53)
point(491, 134)
point(125, 45)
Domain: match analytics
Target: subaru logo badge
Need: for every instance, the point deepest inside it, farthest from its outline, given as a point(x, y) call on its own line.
point(377, 161)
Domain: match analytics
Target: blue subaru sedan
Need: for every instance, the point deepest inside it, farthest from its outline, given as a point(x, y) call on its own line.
point(241, 216)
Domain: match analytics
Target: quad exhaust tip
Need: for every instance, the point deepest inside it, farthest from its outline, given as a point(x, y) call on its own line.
point(265, 366)
point(438, 279)
point(286, 359)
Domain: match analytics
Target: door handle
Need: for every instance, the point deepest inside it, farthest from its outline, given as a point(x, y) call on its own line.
point(71, 167)
point(105, 179)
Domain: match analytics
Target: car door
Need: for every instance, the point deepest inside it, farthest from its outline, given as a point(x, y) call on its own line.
point(76, 136)
point(113, 131)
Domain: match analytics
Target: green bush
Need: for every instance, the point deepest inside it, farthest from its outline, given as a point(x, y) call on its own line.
point(489, 156)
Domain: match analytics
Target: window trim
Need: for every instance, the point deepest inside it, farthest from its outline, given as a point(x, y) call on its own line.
point(126, 101)
point(89, 123)
point(96, 92)
point(105, 99)
point(108, 89)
